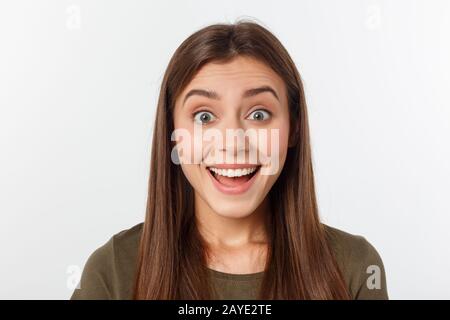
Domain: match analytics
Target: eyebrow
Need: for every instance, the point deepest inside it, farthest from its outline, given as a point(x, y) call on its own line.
point(214, 95)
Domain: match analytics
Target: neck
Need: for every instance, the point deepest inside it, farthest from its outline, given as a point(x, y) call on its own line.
point(232, 232)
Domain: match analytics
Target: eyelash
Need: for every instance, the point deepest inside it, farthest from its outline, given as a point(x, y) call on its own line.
point(264, 110)
point(200, 111)
point(259, 109)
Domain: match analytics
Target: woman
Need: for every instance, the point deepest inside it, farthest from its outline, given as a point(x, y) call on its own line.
point(217, 227)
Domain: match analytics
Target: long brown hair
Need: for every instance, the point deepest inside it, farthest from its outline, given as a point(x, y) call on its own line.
point(171, 258)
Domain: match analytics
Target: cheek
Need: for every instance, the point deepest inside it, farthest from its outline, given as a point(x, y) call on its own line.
point(189, 149)
point(274, 148)
point(284, 128)
point(189, 152)
point(284, 139)
point(188, 141)
point(193, 174)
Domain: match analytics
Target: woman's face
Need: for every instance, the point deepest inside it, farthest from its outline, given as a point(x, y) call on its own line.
point(232, 128)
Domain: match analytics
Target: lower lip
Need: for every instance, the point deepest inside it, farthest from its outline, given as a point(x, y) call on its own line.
point(236, 189)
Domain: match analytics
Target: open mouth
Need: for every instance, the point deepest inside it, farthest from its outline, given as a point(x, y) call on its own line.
point(233, 177)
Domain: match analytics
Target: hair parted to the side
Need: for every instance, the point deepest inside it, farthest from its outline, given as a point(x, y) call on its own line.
point(171, 257)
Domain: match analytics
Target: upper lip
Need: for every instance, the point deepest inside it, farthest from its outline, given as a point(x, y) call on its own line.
point(233, 166)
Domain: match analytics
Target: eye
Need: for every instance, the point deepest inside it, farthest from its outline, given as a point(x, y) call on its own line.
point(259, 115)
point(203, 117)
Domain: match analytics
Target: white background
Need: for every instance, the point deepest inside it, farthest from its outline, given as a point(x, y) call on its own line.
point(78, 89)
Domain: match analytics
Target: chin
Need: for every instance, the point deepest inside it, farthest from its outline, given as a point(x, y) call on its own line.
point(234, 209)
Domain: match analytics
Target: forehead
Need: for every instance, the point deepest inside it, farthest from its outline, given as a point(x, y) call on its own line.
point(239, 73)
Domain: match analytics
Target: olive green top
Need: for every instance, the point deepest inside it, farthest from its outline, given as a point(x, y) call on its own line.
point(110, 270)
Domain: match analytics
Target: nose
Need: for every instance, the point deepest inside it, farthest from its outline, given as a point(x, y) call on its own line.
point(233, 137)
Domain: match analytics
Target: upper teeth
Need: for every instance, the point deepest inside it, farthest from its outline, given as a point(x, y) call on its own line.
point(233, 172)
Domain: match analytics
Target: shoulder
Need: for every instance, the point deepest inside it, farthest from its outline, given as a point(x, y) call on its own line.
point(109, 270)
point(346, 243)
point(127, 240)
point(360, 264)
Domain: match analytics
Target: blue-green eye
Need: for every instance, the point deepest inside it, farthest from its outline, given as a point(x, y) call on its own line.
point(203, 117)
point(259, 115)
